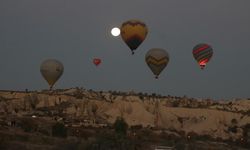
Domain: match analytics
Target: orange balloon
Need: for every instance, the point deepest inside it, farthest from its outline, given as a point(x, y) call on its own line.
point(133, 33)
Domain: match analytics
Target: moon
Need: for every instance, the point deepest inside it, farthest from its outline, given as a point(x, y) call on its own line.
point(115, 31)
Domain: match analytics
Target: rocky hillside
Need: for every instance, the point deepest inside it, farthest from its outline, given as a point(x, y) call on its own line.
point(79, 107)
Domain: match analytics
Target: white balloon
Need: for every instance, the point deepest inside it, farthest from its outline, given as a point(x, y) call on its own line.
point(51, 70)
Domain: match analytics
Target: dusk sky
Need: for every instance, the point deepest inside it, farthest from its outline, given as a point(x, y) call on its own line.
point(76, 31)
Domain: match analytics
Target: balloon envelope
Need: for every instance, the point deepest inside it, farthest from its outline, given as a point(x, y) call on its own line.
point(97, 61)
point(157, 59)
point(133, 33)
point(51, 70)
point(202, 54)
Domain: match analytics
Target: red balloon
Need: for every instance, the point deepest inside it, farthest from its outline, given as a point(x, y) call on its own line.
point(97, 61)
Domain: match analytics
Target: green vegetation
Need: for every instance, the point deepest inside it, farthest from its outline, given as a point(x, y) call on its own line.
point(114, 139)
point(175, 103)
point(234, 121)
point(59, 130)
point(233, 129)
point(28, 125)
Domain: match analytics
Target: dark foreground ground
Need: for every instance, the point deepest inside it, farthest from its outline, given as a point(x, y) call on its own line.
point(103, 139)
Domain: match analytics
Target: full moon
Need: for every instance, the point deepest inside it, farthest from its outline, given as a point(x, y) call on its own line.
point(115, 31)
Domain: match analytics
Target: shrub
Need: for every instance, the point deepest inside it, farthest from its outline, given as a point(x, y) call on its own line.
point(192, 135)
point(141, 97)
point(246, 130)
point(112, 141)
point(180, 145)
point(59, 130)
point(233, 129)
point(175, 103)
point(234, 121)
point(28, 125)
point(136, 127)
point(205, 137)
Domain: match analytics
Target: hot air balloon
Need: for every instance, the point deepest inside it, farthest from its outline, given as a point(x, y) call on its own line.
point(202, 54)
point(51, 71)
point(133, 33)
point(157, 59)
point(97, 61)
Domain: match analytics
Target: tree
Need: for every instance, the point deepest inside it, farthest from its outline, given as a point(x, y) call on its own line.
point(153, 94)
point(120, 126)
point(59, 130)
point(94, 110)
point(29, 125)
